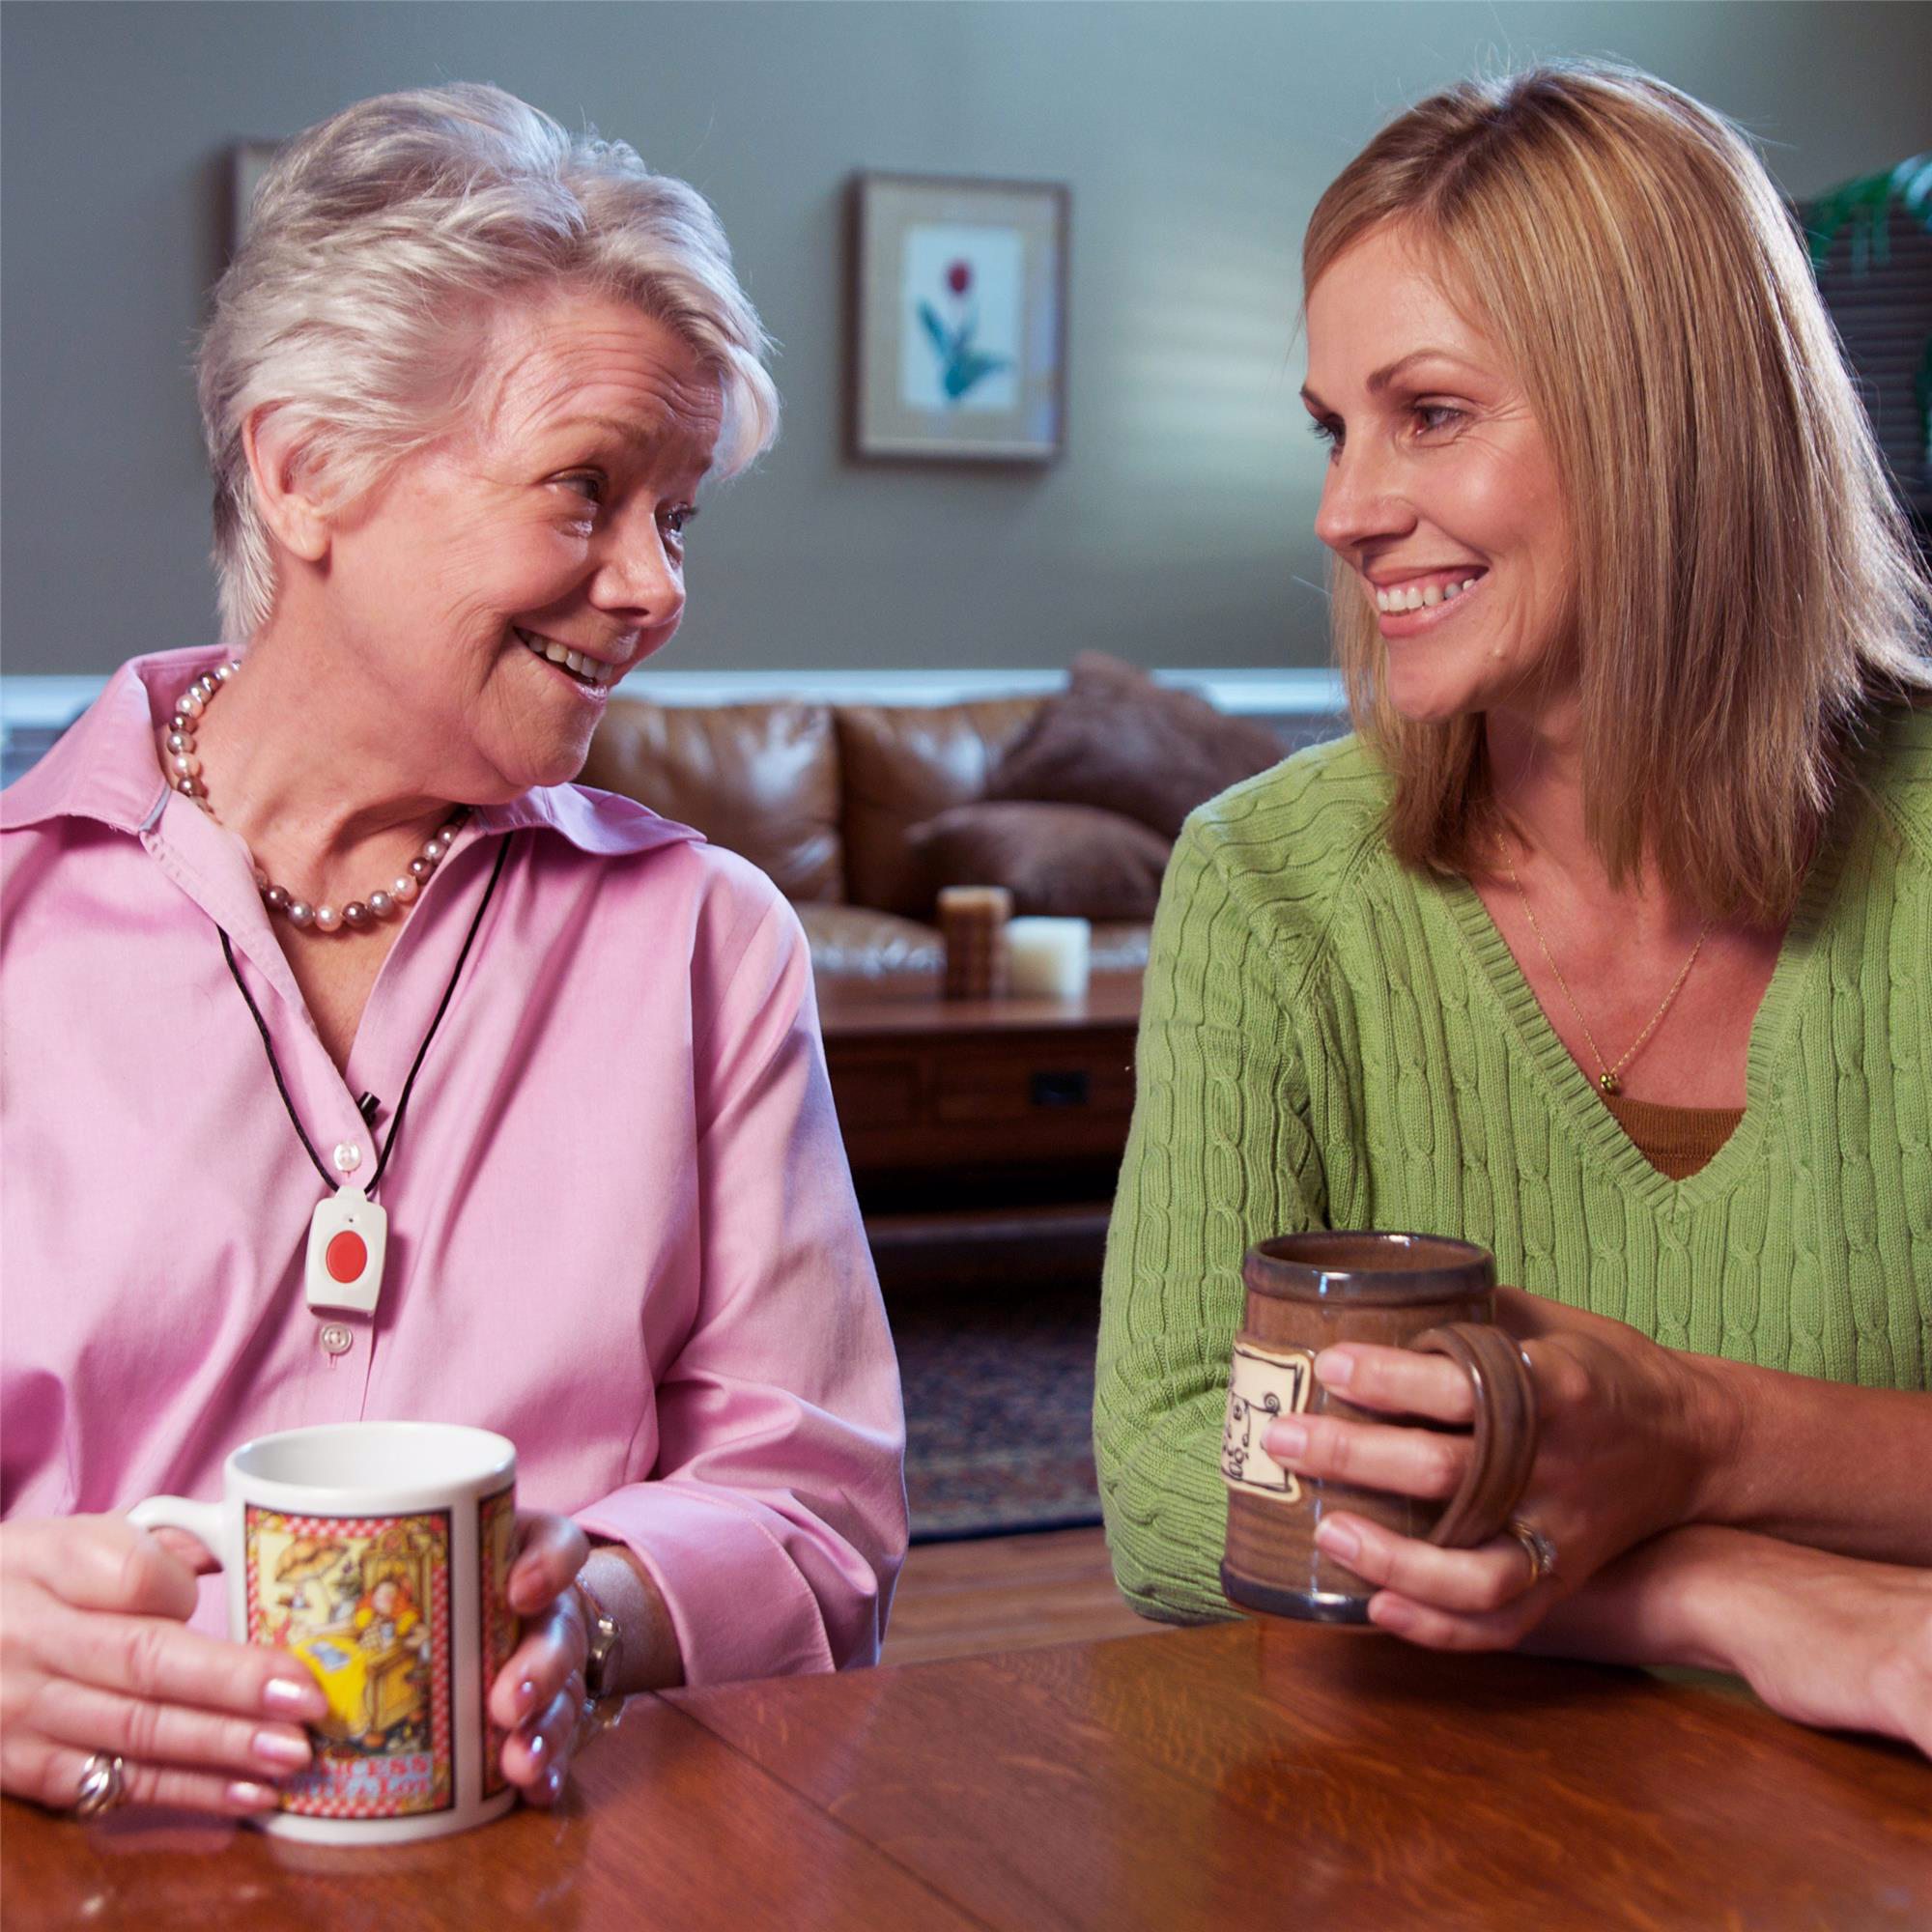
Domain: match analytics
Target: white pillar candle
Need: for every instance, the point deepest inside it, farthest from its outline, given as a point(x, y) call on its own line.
point(1048, 957)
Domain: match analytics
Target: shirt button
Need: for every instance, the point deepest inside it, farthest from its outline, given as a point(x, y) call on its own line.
point(335, 1338)
point(348, 1157)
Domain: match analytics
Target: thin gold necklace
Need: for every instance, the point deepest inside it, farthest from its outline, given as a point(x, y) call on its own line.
point(1608, 1076)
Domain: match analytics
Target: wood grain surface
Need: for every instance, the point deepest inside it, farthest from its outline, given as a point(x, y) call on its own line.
point(1246, 1776)
point(663, 1826)
point(1270, 1775)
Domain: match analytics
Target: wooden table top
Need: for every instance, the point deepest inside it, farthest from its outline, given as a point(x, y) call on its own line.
point(911, 1002)
point(1245, 1775)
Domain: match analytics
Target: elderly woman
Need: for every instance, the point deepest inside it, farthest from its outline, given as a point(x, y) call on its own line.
point(1603, 944)
point(460, 389)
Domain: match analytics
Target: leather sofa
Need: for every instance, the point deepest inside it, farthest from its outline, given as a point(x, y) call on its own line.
point(821, 797)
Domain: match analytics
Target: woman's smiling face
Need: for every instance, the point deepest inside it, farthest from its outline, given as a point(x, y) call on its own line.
point(1441, 494)
point(551, 522)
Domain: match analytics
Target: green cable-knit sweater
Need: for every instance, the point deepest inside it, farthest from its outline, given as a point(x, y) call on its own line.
point(1330, 1040)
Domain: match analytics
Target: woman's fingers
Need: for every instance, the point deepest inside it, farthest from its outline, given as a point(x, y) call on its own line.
point(1400, 1381)
point(104, 1563)
point(1408, 1461)
point(537, 1756)
point(550, 1550)
point(163, 1662)
point(554, 1650)
point(1496, 1576)
point(1435, 1628)
point(51, 1773)
point(89, 1718)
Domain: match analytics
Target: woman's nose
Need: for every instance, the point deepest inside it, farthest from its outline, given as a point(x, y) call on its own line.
point(1360, 500)
point(638, 576)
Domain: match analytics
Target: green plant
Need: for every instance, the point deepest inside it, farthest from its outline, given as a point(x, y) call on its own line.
point(1864, 206)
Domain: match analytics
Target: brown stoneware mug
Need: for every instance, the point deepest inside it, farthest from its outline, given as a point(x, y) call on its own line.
point(1400, 1290)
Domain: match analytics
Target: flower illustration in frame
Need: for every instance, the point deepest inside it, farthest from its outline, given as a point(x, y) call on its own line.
point(960, 300)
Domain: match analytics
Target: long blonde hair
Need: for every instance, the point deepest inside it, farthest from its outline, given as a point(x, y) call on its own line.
point(1747, 590)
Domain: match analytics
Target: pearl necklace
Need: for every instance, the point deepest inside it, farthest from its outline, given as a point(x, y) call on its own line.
point(184, 769)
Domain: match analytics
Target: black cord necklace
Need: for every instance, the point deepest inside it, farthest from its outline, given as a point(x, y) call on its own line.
point(347, 1233)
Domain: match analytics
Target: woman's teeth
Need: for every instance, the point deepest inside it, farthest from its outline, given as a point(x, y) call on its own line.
point(591, 670)
point(1418, 597)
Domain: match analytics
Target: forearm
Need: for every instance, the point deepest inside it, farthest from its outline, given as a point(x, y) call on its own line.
point(1665, 1601)
point(1812, 1462)
point(1826, 1641)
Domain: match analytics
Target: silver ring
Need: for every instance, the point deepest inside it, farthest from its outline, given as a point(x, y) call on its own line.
point(103, 1784)
point(1537, 1547)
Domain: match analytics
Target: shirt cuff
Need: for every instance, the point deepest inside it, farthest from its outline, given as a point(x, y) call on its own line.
point(738, 1603)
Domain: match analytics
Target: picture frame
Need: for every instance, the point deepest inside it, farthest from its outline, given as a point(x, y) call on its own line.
point(958, 319)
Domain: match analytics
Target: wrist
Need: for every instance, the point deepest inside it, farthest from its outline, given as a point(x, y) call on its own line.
point(604, 1640)
point(1712, 1420)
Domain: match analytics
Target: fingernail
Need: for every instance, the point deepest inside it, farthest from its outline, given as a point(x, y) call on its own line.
point(526, 1695)
point(553, 1781)
point(1391, 1613)
point(245, 1795)
point(1286, 1440)
point(1337, 1540)
point(1334, 1368)
point(536, 1747)
point(293, 1697)
point(277, 1748)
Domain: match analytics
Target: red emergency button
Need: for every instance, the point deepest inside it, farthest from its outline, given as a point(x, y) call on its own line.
point(346, 1255)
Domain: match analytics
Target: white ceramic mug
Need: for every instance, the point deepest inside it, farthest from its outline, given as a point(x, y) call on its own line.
point(379, 1553)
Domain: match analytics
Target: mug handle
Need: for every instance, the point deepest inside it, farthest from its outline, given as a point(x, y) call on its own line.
point(1505, 1430)
point(201, 1521)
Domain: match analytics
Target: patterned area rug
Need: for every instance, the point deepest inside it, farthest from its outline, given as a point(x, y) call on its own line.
point(998, 1412)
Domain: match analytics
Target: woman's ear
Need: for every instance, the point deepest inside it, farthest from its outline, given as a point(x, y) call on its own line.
point(286, 485)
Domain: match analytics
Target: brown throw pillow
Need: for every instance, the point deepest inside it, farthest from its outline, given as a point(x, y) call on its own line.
point(1069, 861)
point(1117, 739)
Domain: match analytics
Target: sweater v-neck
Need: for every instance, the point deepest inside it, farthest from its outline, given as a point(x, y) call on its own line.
point(1571, 1093)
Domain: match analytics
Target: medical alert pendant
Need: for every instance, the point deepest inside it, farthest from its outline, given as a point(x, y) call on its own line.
point(347, 1236)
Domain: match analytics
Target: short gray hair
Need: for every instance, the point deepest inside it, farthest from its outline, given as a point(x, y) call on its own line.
point(382, 239)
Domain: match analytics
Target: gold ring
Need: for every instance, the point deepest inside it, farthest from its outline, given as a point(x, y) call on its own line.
point(103, 1784)
point(1537, 1547)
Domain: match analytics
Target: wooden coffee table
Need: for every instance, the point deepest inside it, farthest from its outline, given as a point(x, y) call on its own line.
point(1250, 1775)
point(981, 1133)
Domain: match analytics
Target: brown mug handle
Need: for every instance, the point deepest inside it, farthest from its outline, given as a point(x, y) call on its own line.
point(1505, 1431)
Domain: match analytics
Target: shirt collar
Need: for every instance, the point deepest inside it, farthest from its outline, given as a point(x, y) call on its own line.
point(103, 767)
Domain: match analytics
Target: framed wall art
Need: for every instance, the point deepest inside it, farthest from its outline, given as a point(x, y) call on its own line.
point(958, 319)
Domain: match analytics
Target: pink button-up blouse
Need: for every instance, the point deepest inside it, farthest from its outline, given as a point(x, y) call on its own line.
point(621, 1226)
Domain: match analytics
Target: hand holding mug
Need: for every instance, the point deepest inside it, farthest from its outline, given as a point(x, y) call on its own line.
point(378, 1556)
point(1617, 1459)
point(95, 1659)
point(1306, 1293)
point(537, 1698)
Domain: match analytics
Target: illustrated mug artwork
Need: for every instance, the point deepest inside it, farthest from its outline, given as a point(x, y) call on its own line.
point(364, 1603)
point(1264, 1384)
point(495, 1549)
point(959, 318)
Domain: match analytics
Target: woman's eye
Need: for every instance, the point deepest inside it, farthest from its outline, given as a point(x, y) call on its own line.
point(587, 485)
point(1436, 415)
point(676, 520)
point(1329, 433)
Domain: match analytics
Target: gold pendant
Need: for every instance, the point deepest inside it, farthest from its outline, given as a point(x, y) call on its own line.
point(1608, 1082)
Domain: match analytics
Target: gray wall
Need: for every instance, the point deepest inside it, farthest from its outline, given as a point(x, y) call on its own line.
point(1195, 137)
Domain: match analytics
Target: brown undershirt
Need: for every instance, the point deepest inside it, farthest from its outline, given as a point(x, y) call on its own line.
point(1676, 1141)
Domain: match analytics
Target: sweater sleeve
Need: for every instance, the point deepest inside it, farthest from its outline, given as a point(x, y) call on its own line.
point(1220, 1156)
